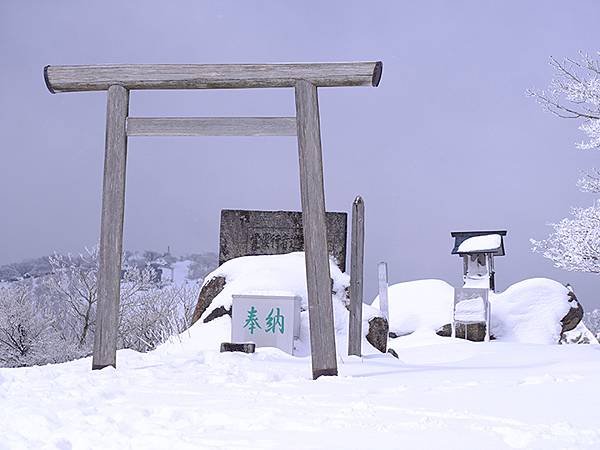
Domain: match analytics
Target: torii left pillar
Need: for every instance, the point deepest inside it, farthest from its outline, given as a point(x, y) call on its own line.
point(111, 228)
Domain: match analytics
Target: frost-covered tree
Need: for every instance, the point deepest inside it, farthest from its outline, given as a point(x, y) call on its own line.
point(51, 318)
point(574, 244)
point(592, 321)
point(74, 284)
point(574, 93)
point(28, 334)
point(150, 317)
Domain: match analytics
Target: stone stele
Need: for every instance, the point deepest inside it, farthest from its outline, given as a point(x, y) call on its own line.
point(247, 233)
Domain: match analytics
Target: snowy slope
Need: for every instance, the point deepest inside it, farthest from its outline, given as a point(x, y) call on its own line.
point(442, 393)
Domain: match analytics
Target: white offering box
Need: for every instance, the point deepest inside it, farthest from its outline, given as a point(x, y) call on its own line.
point(266, 320)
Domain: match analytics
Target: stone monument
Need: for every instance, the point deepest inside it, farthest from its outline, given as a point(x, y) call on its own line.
point(250, 233)
point(246, 233)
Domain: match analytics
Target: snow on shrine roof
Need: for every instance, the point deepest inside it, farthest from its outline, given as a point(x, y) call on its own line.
point(467, 242)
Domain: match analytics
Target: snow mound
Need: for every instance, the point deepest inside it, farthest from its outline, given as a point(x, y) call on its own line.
point(276, 275)
point(528, 312)
point(271, 275)
point(418, 305)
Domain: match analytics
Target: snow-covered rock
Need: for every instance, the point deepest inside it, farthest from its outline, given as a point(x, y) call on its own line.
point(276, 275)
point(530, 311)
point(581, 334)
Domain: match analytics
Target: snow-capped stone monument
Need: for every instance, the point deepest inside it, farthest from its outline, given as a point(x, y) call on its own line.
point(254, 233)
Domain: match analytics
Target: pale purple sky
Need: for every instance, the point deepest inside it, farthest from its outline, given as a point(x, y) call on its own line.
point(449, 141)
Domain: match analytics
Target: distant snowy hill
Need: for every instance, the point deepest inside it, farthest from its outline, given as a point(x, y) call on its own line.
point(194, 265)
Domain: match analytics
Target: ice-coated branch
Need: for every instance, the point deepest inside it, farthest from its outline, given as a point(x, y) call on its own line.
point(574, 93)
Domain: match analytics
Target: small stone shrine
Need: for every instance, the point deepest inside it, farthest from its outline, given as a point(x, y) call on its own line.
point(247, 233)
point(471, 302)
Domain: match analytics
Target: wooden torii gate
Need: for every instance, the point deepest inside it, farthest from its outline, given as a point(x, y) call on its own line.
point(118, 80)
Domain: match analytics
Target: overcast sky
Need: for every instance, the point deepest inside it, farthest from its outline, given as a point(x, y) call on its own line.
point(449, 140)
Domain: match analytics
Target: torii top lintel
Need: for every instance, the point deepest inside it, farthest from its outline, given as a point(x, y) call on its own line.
point(210, 76)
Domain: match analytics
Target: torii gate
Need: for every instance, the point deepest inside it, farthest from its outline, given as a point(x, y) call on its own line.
point(118, 80)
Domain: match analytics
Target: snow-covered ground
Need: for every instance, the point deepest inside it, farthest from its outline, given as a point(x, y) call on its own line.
point(521, 391)
point(441, 393)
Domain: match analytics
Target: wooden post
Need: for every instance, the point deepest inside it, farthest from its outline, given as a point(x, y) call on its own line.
point(318, 280)
point(111, 229)
point(357, 249)
point(383, 289)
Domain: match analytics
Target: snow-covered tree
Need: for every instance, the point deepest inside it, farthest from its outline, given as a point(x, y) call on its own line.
point(150, 317)
point(592, 321)
point(51, 317)
point(574, 244)
point(74, 283)
point(28, 334)
point(574, 93)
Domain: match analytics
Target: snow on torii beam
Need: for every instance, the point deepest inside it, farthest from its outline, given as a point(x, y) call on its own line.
point(118, 80)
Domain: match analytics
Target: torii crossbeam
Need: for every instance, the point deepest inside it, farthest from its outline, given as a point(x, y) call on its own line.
point(118, 80)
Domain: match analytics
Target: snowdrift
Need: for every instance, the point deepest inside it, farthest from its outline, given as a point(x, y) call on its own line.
point(528, 312)
point(418, 305)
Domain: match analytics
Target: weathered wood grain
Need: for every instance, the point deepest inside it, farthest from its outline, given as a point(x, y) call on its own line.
point(111, 229)
point(357, 249)
point(211, 126)
point(320, 308)
point(209, 76)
